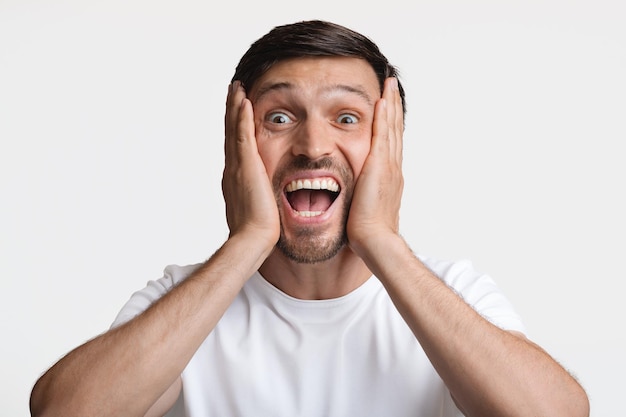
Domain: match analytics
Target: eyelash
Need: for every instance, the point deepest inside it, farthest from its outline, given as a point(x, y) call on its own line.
point(351, 116)
point(271, 117)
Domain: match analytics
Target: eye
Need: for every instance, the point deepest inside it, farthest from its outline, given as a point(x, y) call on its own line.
point(347, 119)
point(278, 118)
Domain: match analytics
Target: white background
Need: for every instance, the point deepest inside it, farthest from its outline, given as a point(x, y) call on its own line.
point(111, 157)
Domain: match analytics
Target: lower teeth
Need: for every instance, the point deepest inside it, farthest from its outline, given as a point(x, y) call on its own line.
point(309, 213)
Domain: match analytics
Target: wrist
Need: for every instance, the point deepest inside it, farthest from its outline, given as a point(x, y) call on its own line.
point(378, 246)
point(250, 247)
point(388, 257)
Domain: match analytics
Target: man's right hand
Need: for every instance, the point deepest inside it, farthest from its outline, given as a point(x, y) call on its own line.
point(250, 202)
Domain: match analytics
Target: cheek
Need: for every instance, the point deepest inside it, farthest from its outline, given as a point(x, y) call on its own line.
point(358, 160)
point(268, 151)
point(356, 152)
point(263, 142)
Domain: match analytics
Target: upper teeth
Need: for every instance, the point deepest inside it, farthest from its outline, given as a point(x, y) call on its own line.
point(313, 184)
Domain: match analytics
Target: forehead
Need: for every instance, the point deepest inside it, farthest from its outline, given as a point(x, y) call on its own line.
point(319, 75)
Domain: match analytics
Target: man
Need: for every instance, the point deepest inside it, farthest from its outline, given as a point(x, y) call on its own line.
point(315, 305)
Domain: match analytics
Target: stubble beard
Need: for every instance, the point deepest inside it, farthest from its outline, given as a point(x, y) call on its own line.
point(307, 245)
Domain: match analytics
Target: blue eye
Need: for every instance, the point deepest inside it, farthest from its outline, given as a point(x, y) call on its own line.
point(347, 119)
point(278, 118)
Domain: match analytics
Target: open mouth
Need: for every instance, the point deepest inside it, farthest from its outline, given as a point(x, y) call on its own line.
point(312, 197)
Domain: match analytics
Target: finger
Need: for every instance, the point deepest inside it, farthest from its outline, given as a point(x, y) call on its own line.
point(228, 121)
point(391, 111)
point(235, 95)
point(246, 138)
point(380, 129)
point(399, 122)
point(395, 117)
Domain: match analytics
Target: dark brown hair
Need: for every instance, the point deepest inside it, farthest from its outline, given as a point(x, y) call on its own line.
point(313, 38)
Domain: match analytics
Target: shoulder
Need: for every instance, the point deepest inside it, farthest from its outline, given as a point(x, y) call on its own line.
point(140, 300)
point(457, 274)
point(478, 289)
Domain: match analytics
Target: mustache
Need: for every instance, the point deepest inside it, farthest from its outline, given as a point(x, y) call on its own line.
point(303, 163)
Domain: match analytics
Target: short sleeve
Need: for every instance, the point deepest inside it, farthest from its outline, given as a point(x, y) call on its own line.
point(154, 290)
point(479, 291)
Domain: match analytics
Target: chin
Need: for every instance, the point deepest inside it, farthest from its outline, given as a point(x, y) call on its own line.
point(311, 249)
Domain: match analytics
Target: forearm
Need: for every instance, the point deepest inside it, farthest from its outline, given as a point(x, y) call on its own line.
point(124, 371)
point(488, 371)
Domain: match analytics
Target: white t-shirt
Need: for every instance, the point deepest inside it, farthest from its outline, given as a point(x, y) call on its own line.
point(274, 355)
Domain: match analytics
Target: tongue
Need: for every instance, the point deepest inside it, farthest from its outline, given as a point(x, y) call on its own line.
point(309, 200)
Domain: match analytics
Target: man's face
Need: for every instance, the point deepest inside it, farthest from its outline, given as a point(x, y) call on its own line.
point(313, 119)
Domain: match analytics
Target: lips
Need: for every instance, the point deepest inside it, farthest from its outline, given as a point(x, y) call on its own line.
point(311, 197)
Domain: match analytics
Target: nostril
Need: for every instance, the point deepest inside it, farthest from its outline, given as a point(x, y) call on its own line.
point(312, 143)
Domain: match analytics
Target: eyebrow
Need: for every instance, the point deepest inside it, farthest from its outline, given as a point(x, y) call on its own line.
point(359, 91)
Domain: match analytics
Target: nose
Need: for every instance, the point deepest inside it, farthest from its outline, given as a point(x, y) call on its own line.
point(313, 139)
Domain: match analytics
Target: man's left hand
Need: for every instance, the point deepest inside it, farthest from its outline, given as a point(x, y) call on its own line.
point(375, 205)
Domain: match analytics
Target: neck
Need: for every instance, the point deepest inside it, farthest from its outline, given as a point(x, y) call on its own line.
point(323, 280)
